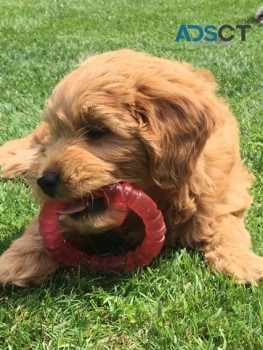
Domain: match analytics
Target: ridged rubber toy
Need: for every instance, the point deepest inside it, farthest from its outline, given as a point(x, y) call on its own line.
point(121, 196)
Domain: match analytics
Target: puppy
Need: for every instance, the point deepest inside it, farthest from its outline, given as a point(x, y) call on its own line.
point(259, 15)
point(156, 123)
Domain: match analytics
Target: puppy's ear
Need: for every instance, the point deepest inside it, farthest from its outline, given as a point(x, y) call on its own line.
point(178, 120)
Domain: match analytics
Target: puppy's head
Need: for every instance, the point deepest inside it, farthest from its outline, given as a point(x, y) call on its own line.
point(124, 116)
point(259, 15)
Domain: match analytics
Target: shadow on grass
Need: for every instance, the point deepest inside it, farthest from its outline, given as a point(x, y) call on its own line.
point(181, 266)
point(77, 280)
point(249, 20)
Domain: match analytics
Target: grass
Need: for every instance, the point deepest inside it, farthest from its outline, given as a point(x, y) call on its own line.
point(177, 303)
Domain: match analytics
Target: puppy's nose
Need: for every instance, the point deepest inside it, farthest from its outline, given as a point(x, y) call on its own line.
point(48, 182)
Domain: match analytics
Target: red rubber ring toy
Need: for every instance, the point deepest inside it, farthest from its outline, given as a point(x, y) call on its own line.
point(122, 195)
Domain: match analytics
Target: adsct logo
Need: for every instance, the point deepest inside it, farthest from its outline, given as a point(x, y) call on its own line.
point(211, 34)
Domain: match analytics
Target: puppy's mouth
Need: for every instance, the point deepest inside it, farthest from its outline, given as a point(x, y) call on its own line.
point(80, 209)
point(97, 216)
point(92, 206)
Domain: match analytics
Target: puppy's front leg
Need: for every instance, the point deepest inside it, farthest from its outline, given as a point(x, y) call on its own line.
point(27, 261)
point(229, 251)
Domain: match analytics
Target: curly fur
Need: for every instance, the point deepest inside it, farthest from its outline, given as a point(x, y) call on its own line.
point(166, 132)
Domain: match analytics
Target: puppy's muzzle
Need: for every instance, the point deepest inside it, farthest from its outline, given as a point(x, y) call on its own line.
point(48, 183)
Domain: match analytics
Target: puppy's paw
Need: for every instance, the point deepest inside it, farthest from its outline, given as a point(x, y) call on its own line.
point(25, 269)
point(245, 266)
point(17, 157)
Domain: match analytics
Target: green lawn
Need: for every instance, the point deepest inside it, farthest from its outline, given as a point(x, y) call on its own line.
point(177, 303)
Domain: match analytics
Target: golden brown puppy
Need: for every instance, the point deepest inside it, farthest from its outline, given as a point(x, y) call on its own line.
point(158, 124)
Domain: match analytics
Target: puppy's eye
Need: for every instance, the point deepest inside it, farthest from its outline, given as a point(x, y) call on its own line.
point(95, 134)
